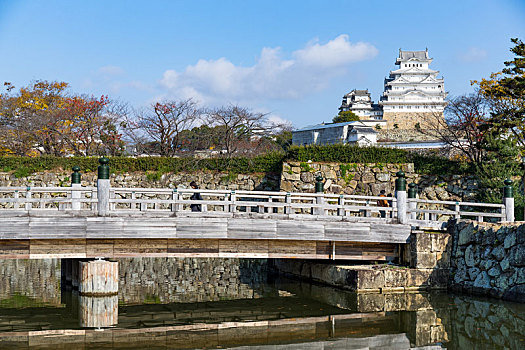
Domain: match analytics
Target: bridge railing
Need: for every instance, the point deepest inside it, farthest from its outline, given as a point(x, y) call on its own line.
point(48, 198)
point(435, 211)
point(419, 212)
point(132, 200)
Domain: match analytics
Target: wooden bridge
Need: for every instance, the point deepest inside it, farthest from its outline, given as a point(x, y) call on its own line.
point(88, 222)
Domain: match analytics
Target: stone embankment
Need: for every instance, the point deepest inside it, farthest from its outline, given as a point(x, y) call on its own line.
point(208, 180)
point(426, 260)
point(488, 259)
point(370, 179)
point(361, 179)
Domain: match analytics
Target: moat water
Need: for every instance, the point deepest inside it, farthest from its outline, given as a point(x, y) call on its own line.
point(230, 303)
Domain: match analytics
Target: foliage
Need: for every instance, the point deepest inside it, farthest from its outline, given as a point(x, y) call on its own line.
point(505, 91)
point(156, 166)
point(42, 118)
point(345, 116)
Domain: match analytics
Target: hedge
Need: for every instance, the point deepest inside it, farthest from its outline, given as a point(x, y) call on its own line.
point(268, 163)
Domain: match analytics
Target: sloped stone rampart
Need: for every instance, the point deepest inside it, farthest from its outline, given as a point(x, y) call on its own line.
point(206, 180)
point(488, 259)
point(371, 178)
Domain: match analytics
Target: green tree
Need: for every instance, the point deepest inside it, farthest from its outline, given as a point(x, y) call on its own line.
point(345, 116)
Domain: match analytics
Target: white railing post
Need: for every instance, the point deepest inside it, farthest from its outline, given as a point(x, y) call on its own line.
point(174, 197)
point(76, 184)
point(103, 187)
point(29, 205)
point(319, 200)
point(75, 196)
point(16, 196)
point(508, 200)
point(412, 203)
point(341, 203)
point(232, 202)
point(288, 201)
point(401, 196)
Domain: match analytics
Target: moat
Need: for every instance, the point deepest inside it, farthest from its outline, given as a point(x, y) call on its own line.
point(166, 303)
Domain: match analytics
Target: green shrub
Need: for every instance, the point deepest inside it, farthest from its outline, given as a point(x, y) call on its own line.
point(24, 166)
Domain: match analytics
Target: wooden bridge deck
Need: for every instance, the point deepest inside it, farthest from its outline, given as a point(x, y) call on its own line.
point(67, 222)
point(195, 235)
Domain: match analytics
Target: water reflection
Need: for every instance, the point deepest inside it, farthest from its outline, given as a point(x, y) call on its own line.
point(189, 304)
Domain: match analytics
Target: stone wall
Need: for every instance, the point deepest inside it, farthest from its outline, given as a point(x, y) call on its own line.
point(424, 266)
point(408, 120)
point(190, 280)
point(402, 135)
point(207, 180)
point(370, 179)
point(488, 259)
point(38, 280)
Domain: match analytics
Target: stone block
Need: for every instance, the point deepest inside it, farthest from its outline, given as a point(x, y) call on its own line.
point(517, 255)
point(418, 278)
point(422, 241)
point(370, 279)
point(424, 260)
point(383, 177)
point(417, 301)
point(395, 302)
point(307, 177)
point(498, 252)
point(395, 277)
point(440, 242)
point(466, 235)
point(439, 278)
point(510, 240)
point(470, 256)
point(370, 302)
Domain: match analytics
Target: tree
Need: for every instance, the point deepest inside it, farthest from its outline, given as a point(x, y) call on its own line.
point(345, 116)
point(43, 118)
point(31, 118)
point(238, 126)
point(464, 127)
point(93, 126)
point(162, 125)
point(506, 92)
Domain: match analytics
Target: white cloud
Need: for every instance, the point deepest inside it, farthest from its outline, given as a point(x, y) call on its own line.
point(309, 69)
point(337, 52)
point(473, 54)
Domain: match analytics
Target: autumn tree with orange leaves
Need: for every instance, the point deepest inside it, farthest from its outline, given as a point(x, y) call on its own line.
point(42, 118)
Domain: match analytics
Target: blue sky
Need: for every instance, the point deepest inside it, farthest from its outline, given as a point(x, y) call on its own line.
point(293, 59)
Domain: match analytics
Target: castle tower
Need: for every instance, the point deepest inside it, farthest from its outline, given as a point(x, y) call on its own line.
point(359, 102)
point(413, 94)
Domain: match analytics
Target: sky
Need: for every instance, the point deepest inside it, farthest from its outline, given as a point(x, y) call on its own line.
point(292, 59)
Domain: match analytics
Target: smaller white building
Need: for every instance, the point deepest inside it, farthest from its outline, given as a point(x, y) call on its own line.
point(355, 132)
point(360, 103)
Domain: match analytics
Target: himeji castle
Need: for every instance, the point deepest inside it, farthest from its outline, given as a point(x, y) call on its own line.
point(412, 95)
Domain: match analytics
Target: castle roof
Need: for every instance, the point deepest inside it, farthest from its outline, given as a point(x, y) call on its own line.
point(358, 93)
point(405, 55)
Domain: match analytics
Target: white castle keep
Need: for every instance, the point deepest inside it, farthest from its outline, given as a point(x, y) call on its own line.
point(412, 94)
